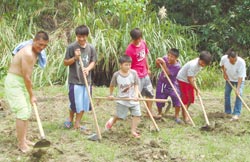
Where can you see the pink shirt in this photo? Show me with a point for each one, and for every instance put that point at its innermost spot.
(139, 59)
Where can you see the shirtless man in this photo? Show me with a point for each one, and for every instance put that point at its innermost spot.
(18, 86)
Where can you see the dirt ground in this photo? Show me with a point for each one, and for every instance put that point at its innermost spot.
(73, 145)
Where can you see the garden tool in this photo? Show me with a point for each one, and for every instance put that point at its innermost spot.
(238, 95)
(170, 82)
(149, 113)
(91, 102)
(43, 142)
(133, 99)
(207, 127)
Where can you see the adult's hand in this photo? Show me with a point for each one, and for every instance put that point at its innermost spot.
(33, 100)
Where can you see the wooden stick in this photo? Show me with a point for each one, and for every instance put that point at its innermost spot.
(170, 82)
(39, 121)
(203, 109)
(132, 99)
(238, 95)
(149, 113)
(91, 102)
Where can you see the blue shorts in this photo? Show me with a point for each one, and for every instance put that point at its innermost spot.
(79, 99)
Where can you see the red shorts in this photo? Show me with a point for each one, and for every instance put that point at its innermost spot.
(187, 92)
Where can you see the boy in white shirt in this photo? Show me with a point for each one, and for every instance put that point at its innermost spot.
(186, 80)
(234, 71)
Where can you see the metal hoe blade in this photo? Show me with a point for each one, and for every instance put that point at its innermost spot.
(93, 137)
(42, 143)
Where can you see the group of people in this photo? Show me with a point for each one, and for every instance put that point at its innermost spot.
(132, 80)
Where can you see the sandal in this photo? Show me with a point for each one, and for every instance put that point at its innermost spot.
(108, 125)
(178, 121)
(67, 124)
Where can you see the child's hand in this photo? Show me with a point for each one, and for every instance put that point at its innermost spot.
(149, 72)
(158, 62)
(197, 92)
(86, 71)
(136, 98)
(111, 97)
(77, 53)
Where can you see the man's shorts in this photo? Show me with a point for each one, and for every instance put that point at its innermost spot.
(163, 91)
(145, 87)
(187, 92)
(122, 111)
(17, 96)
(79, 99)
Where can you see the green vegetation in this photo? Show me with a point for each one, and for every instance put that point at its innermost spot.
(190, 26)
(219, 25)
(110, 23)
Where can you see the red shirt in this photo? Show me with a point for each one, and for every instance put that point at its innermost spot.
(139, 59)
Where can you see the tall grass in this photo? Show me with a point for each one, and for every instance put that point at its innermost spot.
(210, 77)
(109, 23)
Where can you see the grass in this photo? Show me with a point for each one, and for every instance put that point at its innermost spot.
(227, 142)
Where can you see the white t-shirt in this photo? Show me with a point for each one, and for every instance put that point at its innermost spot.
(234, 71)
(191, 68)
(126, 86)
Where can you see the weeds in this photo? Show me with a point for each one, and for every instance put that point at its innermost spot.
(109, 26)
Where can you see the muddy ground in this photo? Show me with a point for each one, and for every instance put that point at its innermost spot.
(116, 145)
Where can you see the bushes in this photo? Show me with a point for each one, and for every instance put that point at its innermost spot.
(110, 23)
(219, 25)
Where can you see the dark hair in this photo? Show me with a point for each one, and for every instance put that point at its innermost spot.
(41, 35)
(82, 30)
(125, 58)
(231, 53)
(174, 52)
(135, 33)
(206, 57)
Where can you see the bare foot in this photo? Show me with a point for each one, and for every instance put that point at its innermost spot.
(135, 135)
(76, 125)
(29, 143)
(188, 122)
(159, 114)
(24, 148)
